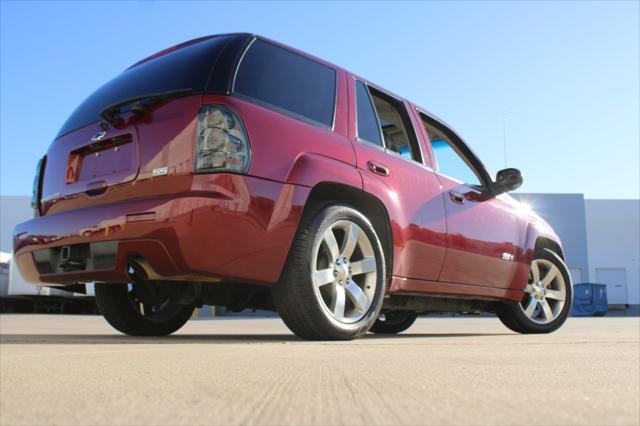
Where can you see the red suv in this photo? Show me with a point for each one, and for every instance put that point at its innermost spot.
(234, 171)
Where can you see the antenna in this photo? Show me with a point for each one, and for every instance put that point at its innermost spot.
(504, 139)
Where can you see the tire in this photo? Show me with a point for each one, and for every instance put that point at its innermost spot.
(515, 316)
(327, 306)
(394, 322)
(123, 312)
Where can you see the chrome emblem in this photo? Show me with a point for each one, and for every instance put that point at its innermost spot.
(507, 256)
(99, 136)
(160, 171)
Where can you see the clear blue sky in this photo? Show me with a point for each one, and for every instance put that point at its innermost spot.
(564, 77)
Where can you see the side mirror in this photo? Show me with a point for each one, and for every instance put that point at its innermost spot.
(507, 180)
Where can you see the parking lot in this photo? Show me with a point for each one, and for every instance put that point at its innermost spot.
(76, 370)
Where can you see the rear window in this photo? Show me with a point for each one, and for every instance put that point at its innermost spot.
(286, 81)
(185, 68)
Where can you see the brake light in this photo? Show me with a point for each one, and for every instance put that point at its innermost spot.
(221, 141)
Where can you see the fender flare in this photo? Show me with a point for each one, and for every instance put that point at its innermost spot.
(534, 232)
(310, 169)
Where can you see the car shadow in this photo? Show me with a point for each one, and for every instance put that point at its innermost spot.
(102, 339)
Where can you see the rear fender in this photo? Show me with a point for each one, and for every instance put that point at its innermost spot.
(311, 169)
(396, 213)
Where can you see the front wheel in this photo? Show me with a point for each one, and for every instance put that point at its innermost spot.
(547, 300)
(141, 309)
(334, 282)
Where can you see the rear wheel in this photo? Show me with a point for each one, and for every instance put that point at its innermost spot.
(141, 309)
(547, 300)
(333, 284)
(394, 322)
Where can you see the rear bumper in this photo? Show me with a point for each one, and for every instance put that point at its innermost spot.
(226, 227)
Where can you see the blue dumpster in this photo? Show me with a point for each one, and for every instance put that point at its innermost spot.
(589, 300)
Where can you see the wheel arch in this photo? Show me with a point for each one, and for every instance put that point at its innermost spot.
(541, 235)
(325, 193)
(536, 237)
(548, 243)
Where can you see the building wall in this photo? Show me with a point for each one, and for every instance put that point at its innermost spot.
(565, 213)
(13, 210)
(613, 236)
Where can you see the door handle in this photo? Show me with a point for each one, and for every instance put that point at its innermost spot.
(377, 168)
(456, 197)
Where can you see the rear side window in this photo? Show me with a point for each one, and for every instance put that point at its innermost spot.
(287, 81)
(397, 129)
(383, 120)
(367, 121)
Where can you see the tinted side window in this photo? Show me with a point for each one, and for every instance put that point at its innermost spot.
(368, 128)
(287, 81)
(450, 162)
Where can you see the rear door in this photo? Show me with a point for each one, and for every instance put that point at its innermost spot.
(390, 159)
(483, 231)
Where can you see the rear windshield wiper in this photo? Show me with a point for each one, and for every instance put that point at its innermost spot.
(138, 104)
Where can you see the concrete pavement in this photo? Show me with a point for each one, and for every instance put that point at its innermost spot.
(77, 370)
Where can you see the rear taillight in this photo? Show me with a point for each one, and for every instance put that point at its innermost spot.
(221, 141)
(37, 185)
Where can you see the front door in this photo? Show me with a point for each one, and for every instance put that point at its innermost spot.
(483, 232)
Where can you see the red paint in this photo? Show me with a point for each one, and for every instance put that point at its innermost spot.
(478, 233)
(222, 224)
(240, 227)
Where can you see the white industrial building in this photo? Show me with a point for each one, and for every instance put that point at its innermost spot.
(601, 239)
(614, 250)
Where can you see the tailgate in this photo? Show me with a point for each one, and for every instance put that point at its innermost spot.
(90, 160)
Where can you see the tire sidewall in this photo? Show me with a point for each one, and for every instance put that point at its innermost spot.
(116, 307)
(383, 327)
(534, 327)
(326, 218)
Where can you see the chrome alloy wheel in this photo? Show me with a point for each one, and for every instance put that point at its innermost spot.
(546, 292)
(344, 272)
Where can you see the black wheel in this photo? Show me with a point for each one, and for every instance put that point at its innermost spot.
(334, 281)
(393, 322)
(141, 309)
(547, 300)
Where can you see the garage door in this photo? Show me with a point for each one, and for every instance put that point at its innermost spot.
(616, 281)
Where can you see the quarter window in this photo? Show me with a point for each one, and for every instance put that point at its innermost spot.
(287, 81)
(450, 162)
(368, 128)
